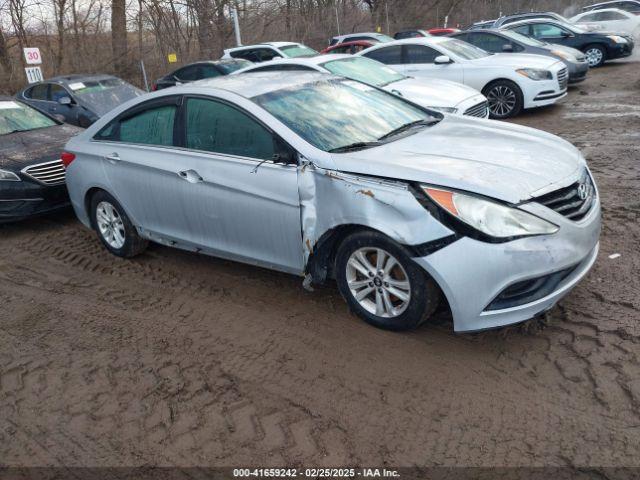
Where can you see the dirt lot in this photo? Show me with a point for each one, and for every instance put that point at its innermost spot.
(177, 359)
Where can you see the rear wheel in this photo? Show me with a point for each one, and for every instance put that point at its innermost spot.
(505, 99)
(114, 229)
(596, 55)
(381, 283)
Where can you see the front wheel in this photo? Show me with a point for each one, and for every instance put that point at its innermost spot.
(505, 99)
(381, 284)
(596, 55)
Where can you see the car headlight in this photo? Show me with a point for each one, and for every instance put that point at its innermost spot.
(444, 109)
(617, 38)
(535, 73)
(8, 176)
(565, 55)
(491, 218)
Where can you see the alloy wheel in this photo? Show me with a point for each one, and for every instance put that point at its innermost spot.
(110, 225)
(378, 282)
(594, 56)
(502, 100)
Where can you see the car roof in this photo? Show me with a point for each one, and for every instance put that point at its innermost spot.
(65, 79)
(371, 34)
(619, 10)
(252, 84)
(529, 21)
(609, 2)
(264, 44)
(433, 40)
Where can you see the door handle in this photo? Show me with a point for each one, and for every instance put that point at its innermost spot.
(190, 176)
(113, 158)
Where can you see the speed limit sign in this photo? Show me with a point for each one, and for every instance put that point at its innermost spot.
(32, 56)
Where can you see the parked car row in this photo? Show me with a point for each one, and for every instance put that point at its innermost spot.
(375, 166)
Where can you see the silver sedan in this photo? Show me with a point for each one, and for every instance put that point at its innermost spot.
(326, 177)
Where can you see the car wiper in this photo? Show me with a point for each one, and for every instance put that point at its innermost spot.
(408, 126)
(354, 146)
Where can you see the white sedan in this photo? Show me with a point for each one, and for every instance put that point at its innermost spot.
(510, 82)
(441, 95)
(612, 19)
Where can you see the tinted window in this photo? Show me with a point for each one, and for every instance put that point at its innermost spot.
(39, 92)
(607, 16)
(229, 66)
(217, 127)
(491, 43)
(419, 54)
(524, 30)
(256, 54)
(411, 34)
(208, 71)
(151, 127)
(189, 73)
(388, 55)
(57, 92)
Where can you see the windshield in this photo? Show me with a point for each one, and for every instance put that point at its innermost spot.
(293, 51)
(364, 70)
(18, 117)
(464, 50)
(105, 94)
(231, 66)
(330, 114)
(532, 42)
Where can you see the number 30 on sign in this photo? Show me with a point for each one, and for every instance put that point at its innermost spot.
(34, 74)
(32, 56)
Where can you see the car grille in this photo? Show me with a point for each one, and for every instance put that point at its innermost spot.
(574, 201)
(563, 79)
(49, 173)
(479, 110)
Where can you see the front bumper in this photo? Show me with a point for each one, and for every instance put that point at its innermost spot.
(472, 273)
(578, 72)
(20, 200)
(620, 50)
(543, 92)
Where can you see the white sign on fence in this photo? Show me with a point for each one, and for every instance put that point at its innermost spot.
(34, 74)
(32, 56)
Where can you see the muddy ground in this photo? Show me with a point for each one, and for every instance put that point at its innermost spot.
(178, 359)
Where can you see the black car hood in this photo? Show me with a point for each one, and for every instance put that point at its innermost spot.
(19, 149)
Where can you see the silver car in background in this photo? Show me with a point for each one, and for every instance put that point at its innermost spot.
(326, 177)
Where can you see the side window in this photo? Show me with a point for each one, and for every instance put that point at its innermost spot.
(267, 54)
(419, 54)
(56, 92)
(282, 68)
(39, 92)
(248, 54)
(188, 74)
(591, 17)
(357, 48)
(217, 127)
(541, 30)
(387, 55)
(346, 49)
(208, 71)
(524, 30)
(150, 127)
(613, 16)
(488, 42)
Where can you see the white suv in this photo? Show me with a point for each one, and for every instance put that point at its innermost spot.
(268, 51)
(510, 81)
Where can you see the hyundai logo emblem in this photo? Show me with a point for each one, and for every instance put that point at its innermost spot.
(583, 191)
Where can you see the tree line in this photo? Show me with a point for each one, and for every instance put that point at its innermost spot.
(113, 36)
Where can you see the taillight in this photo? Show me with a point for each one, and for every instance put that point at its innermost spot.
(67, 158)
(154, 87)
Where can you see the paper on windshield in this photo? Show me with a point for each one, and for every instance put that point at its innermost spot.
(76, 86)
(8, 105)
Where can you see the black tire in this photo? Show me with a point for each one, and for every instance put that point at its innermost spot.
(424, 293)
(505, 99)
(133, 243)
(599, 55)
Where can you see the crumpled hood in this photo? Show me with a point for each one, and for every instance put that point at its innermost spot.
(20, 149)
(504, 161)
(516, 60)
(432, 92)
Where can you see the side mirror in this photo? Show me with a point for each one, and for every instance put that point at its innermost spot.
(566, 35)
(442, 60)
(507, 47)
(65, 100)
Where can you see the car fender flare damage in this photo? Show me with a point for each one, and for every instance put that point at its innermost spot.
(333, 204)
